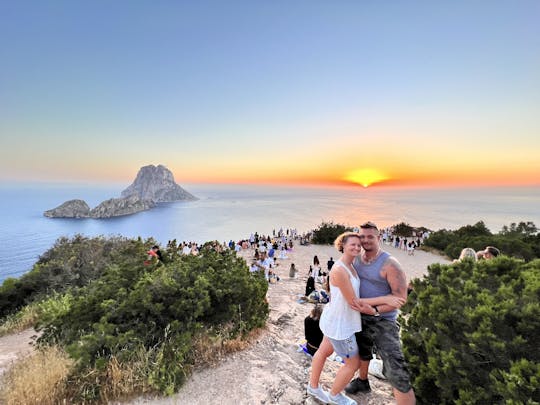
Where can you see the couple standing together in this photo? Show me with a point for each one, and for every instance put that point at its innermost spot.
(369, 281)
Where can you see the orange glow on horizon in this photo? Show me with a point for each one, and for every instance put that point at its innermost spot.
(318, 172)
(431, 180)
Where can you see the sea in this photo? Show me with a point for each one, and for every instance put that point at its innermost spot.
(225, 212)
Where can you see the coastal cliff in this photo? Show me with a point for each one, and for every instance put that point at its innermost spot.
(153, 184)
(116, 207)
(70, 209)
(157, 183)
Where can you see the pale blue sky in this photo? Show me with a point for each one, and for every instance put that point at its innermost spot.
(94, 90)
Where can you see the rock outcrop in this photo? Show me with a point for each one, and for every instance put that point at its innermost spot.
(153, 184)
(116, 207)
(156, 183)
(70, 209)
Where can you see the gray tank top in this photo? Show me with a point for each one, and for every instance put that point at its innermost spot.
(371, 282)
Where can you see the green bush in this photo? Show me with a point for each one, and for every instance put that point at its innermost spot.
(327, 232)
(70, 263)
(157, 308)
(521, 241)
(470, 333)
(403, 229)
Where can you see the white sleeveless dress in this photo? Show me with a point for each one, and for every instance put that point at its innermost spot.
(338, 320)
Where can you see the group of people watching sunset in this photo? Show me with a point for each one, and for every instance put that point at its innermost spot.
(367, 286)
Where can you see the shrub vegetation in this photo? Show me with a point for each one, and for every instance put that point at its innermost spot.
(327, 232)
(470, 333)
(403, 229)
(518, 240)
(70, 263)
(139, 324)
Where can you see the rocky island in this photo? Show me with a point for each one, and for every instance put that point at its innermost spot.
(153, 185)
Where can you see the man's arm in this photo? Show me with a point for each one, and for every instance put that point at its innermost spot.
(397, 280)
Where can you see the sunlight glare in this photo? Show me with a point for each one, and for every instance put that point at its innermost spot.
(366, 177)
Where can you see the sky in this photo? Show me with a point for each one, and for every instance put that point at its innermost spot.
(308, 92)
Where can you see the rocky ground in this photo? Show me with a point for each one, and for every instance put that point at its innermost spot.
(272, 371)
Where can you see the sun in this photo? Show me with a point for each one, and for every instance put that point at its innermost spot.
(366, 177)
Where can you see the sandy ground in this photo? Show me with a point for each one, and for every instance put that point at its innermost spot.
(12, 347)
(272, 371)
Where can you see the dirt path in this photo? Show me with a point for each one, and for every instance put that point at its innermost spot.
(15, 346)
(272, 371)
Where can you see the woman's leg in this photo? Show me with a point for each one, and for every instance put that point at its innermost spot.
(317, 364)
(345, 374)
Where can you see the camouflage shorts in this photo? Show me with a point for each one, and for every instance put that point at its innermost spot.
(383, 336)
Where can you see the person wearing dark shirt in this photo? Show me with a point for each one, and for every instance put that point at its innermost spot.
(310, 284)
(330, 263)
(312, 331)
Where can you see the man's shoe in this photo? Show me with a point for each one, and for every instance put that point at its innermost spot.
(318, 393)
(357, 385)
(340, 399)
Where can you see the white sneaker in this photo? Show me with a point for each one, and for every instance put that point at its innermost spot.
(318, 393)
(340, 399)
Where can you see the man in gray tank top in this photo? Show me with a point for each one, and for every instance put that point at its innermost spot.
(381, 274)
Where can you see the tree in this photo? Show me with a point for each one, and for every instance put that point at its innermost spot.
(403, 229)
(327, 232)
(523, 228)
(520, 241)
(470, 333)
(70, 263)
(157, 309)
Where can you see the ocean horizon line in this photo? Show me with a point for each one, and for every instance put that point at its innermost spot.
(316, 185)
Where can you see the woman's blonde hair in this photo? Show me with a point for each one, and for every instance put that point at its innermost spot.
(468, 253)
(342, 239)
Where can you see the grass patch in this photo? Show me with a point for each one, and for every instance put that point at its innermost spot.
(19, 321)
(209, 351)
(37, 379)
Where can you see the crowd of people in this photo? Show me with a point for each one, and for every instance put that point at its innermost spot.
(362, 291)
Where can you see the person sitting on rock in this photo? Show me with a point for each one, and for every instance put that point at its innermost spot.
(292, 271)
(310, 284)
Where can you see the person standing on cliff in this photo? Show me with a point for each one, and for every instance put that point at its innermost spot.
(329, 264)
(380, 275)
(155, 252)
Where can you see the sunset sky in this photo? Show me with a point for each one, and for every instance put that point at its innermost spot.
(403, 92)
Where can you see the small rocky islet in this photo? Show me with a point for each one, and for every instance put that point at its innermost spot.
(153, 185)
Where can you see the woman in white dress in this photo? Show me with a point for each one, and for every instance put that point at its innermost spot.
(339, 322)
